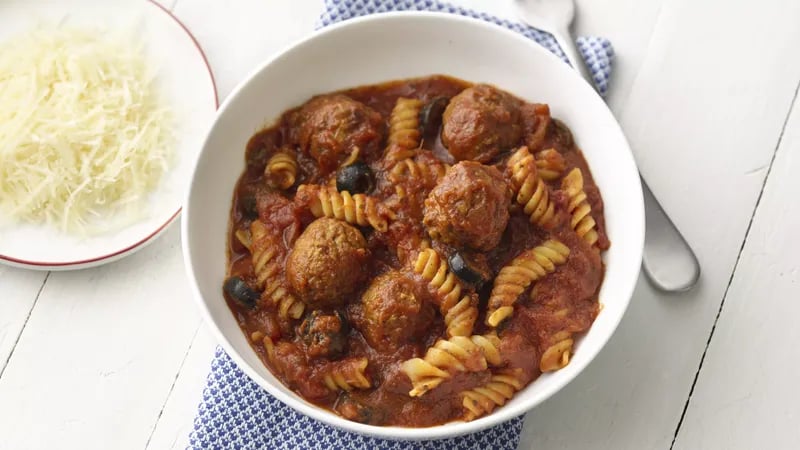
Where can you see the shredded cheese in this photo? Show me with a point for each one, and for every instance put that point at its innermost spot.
(83, 135)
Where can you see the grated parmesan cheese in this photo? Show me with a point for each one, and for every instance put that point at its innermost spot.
(83, 136)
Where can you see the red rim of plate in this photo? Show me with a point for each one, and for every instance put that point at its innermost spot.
(161, 228)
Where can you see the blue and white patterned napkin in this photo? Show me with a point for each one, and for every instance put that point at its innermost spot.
(236, 413)
(597, 52)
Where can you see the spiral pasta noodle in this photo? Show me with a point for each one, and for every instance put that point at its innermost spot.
(484, 399)
(530, 190)
(347, 375)
(550, 164)
(582, 221)
(430, 173)
(404, 124)
(515, 277)
(244, 238)
(265, 248)
(357, 209)
(457, 354)
(556, 356)
(408, 253)
(281, 170)
(459, 311)
(352, 158)
(269, 347)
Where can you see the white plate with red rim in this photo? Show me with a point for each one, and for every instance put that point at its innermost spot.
(187, 84)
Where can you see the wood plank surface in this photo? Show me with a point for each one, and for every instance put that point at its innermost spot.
(100, 354)
(18, 291)
(703, 117)
(747, 394)
(177, 419)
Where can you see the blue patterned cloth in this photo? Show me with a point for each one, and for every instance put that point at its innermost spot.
(236, 413)
(597, 52)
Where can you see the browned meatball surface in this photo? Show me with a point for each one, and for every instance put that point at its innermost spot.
(469, 206)
(329, 127)
(394, 311)
(480, 122)
(325, 263)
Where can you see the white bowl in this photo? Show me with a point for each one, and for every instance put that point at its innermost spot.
(388, 47)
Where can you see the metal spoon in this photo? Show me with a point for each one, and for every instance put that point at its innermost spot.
(668, 260)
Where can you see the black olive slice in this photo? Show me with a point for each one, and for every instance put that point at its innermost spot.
(464, 270)
(241, 292)
(247, 206)
(430, 117)
(564, 133)
(355, 178)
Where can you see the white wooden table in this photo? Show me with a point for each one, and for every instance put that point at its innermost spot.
(115, 357)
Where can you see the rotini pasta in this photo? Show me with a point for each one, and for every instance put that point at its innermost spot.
(358, 209)
(244, 238)
(383, 224)
(460, 311)
(395, 154)
(556, 356)
(530, 190)
(347, 375)
(410, 168)
(269, 347)
(484, 399)
(409, 249)
(352, 158)
(281, 170)
(582, 221)
(457, 354)
(550, 164)
(404, 124)
(400, 191)
(265, 248)
(515, 277)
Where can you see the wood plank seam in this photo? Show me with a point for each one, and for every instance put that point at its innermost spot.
(24, 324)
(170, 5)
(736, 265)
(172, 386)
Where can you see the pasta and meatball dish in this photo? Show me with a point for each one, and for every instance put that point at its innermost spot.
(415, 252)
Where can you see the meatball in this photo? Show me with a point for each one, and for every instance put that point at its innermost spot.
(394, 311)
(325, 264)
(480, 122)
(468, 207)
(329, 127)
(325, 335)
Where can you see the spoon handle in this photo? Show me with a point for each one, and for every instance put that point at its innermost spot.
(564, 40)
(668, 260)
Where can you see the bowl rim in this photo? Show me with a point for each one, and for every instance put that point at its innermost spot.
(450, 429)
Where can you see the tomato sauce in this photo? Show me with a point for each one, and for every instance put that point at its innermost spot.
(563, 303)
